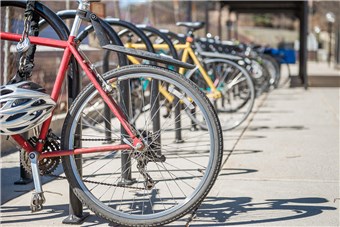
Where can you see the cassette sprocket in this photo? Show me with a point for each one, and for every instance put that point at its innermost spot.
(46, 165)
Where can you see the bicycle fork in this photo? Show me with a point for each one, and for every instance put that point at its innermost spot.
(38, 198)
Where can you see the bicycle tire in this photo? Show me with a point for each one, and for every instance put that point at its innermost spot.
(237, 89)
(198, 160)
(274, 69)
(261, 77)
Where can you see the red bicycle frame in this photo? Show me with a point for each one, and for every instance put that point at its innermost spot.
(69, 47)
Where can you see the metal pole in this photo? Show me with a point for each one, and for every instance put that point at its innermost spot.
(330, 43)
(125, 156)
(220, 21)
(107, 112)
(6, 48)
(189, 13)
(337, 46)
(189, 9)
(303, 44)
(229, 28)
(236, 27)
(155, 115)
(76, 214)
(68, 22)
(207, 17)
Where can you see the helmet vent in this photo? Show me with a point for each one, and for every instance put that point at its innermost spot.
(5, 91)
(17, 129)
(39, 102)
(15, 116)
(37, 114)
(19, 102)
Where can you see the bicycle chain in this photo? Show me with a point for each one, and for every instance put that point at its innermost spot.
(96, 182)
(109, 140)
(87, 181)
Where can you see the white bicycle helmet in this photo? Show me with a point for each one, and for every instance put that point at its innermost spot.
(23, 106)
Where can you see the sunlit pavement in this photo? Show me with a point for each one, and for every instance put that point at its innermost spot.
(281, 168)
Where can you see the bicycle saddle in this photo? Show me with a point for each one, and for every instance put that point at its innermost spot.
(192, 25)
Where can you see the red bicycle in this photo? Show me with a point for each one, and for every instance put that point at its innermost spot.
(136, 176)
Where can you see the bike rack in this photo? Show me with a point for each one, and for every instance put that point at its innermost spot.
(76, 216)
(130, 27)
(126, 159)
(156, 32)
(154, 84)
(181, 38)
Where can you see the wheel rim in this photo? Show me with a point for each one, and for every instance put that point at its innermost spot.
(185, 200)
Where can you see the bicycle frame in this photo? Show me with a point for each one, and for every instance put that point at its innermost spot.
(69, 47)
(187, 52)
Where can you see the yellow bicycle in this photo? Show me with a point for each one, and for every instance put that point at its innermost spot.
(228, 86)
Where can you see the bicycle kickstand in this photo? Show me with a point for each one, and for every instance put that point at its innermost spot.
(38, 198)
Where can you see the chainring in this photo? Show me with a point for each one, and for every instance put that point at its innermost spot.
(46, 165)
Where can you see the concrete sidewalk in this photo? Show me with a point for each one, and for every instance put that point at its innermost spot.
(284, 171)
(281, 168)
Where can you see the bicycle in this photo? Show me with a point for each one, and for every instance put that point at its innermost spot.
(229, 86)
(171, 179)
(261, 71)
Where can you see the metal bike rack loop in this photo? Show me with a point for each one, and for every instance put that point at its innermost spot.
(173, 52)
(112, 35)
(154, 98)
(125, 158)
(76, 214)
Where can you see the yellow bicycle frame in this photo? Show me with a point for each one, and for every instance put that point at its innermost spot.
(187, 51)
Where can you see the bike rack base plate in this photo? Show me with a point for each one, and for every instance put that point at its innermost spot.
(74, 220)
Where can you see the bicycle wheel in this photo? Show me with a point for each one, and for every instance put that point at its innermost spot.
(160, 184)
(260, 75)
(273, 68)
(237, 90)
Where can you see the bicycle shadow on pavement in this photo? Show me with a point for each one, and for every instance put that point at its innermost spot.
(223, 211)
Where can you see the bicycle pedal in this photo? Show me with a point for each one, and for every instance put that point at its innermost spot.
(37, 201)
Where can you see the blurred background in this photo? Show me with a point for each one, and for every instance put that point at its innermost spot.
(275, 24)
(229, 21)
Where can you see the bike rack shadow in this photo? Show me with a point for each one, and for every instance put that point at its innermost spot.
(60, 211)
(214, 211)
(288, 127)
(244, 137)
(272, 112)
(50, 212)
(22, 215)
(221, 211)
(242, 151)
